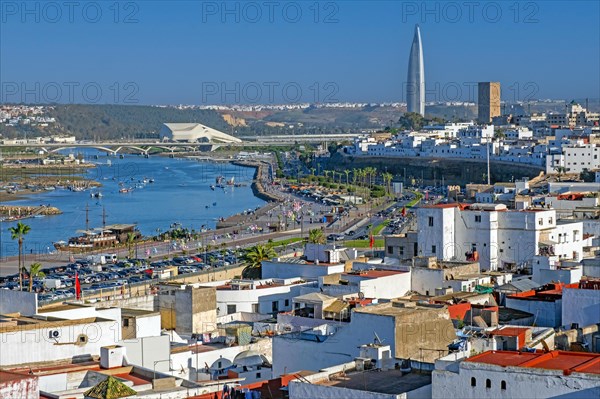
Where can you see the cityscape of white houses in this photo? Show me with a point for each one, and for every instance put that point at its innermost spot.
(560, 143)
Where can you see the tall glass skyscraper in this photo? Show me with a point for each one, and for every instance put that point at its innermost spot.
(415, 88)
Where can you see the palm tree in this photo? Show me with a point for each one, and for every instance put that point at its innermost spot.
(347, 172)
(316, 236)
(387, 178)
(254, 257)
(35, 270)
(354, 176)
(130, 240)
(17, 233)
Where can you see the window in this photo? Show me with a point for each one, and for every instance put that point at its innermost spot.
(477, 218)
(473, 382)
(503, 384)
(125, 322)
(255, 308)
(275, 306)
(400, 250)
(433, 248)
(541, 221)
(231, 309)
(287, 302)
(488, 383)
(257, 375)
(431, 221)
(550, 220)
(390, 249)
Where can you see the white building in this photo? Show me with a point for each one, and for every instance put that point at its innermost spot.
(368, 283)
(574, 159)
(545, 304)
(581, 304)
(35, 340)
(357, 379)
(520, 133)
(447, 130)
(406, 327)
(193, 133)
(259, 296)
(502, 238)
(519, 375)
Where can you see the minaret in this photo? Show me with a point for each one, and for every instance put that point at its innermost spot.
(415, 90)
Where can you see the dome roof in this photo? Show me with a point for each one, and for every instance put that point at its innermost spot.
(249, 358)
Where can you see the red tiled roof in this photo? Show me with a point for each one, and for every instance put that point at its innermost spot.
(549, 291)
(503, 358)
(568, 362)
(458, 311)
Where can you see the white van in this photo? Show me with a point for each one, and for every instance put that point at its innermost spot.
(102, 259)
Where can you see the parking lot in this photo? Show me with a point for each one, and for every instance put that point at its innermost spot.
(58, 283)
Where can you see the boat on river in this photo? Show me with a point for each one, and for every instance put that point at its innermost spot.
(97, 238)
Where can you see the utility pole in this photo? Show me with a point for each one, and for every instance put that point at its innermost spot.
(488, 161)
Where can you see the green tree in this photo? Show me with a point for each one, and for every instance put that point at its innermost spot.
(253, 259)
(387, 179)
(347, 173)
(35, 270)
(411, 121)
(316, 236)
(18, 233)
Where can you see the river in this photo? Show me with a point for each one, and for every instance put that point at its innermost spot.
(180, 193)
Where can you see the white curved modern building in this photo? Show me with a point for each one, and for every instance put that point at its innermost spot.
(193, 133)
(415, 88)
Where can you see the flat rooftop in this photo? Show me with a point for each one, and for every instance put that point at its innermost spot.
(456, 295)
(303, 262)
(567, 362)
(10, 324)
(64, 306)
(375, 273)
(197, 348)
(390, 382)
(388, 309)
(129, 312)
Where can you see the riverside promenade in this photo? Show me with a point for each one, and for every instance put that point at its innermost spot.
(237, 231)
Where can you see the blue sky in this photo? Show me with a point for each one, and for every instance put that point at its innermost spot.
(192, 52)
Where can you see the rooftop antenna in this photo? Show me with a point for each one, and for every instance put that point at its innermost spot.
(377, 340)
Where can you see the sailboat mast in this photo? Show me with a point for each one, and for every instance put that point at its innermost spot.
(87, 217)
(103, 219)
